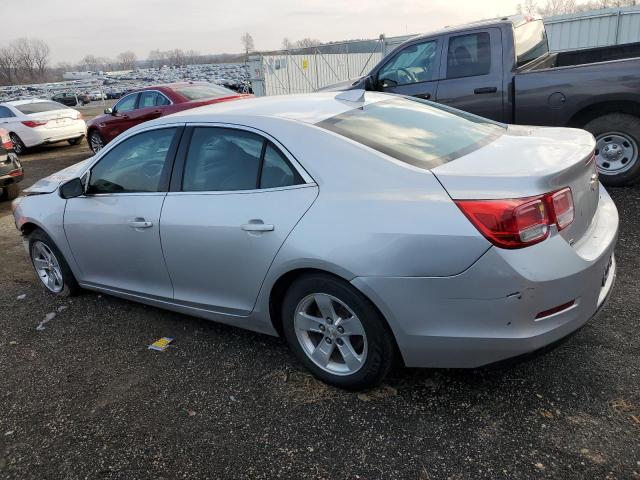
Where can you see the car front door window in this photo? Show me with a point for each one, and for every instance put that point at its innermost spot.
(135, 165)
(413, 64)
(127, 104)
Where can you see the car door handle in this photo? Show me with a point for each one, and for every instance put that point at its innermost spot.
(140, 223)
(479, 91)
(257, 227)
(424, 96)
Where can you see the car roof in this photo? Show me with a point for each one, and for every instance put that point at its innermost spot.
(306, 108)
(30, 100)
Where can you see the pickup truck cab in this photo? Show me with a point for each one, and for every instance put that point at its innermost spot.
(502, 69)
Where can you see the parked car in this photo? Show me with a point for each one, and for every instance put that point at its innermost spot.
(11, 172)
(502, 69)
(153, 102)
(37, 122)
(71, 99)
(355, 226)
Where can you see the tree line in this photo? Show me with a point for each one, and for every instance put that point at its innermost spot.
(560, 7)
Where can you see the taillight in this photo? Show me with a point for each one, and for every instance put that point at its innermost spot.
(519, 222)
(563, 208)
(5, 140)
(34, 123)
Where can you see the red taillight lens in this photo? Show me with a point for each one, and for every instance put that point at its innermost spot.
(519, 222)
(563, 208)
(34, 123)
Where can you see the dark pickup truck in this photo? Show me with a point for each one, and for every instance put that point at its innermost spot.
(502, 69)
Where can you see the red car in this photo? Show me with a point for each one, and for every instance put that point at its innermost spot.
(153, 102)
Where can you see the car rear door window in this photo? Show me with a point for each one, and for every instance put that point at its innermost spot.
(148, 99)
(5, 112)
(469, 55)
(413, 64)
(277, 171)
(138, 164)
(127, 104)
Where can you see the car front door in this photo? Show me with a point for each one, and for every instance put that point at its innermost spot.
(237, 198)
(413, 70)
(114, 229)
(472, 73)
(121, 118)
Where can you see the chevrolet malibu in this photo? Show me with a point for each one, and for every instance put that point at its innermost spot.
(361, 227)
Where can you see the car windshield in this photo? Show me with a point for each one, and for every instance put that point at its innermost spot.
(38, 107)
(415, 132)
(530, 41)
(199, 92)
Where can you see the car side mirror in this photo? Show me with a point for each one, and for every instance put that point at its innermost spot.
(73, 188)
(369, 83)
(109, 111)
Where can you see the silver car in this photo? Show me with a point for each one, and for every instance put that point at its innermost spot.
(360, 227)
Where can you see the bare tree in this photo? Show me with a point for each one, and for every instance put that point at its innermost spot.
(307, 42)
(7, 66)
(41, 54)
(24, 59)
(247, 44)
(176, 57)
(191, 57)
(287, 44)
(127, 60)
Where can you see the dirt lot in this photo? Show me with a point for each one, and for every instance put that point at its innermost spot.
(84, 398)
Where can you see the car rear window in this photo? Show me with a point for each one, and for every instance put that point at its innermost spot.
(419, 133)
(200, 92)
(38, 107)
(530, 41)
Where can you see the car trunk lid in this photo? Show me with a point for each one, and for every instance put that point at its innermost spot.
(526, 162)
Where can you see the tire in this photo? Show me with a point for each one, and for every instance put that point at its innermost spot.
(10, 192)
(18, 146)
(96, 143)
(65, 284)
(372, 354)
(75, 141)
(617, 147)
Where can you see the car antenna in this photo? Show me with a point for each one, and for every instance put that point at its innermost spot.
(351, 95)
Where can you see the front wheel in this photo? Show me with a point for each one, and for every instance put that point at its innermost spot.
(617, 140)
(50, 265)
(336, 332)
(96, 143)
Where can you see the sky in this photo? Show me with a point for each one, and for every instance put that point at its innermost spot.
(75, 28)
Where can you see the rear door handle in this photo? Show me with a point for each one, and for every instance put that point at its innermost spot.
(257, 227)
(140, 223)
(425, 96)
(482, 90)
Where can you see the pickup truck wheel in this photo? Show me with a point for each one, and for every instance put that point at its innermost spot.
(617, 140)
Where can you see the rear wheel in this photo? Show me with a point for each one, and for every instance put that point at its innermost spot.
(18, 146)
(10, 192)
(75, 141)
(96, 143)
(50, 265)
(336, 332)
(617, 141)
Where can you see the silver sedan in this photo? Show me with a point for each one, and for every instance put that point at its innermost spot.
(361, 227)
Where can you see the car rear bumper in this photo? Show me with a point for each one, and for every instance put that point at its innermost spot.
(488, 313)
(42, 135)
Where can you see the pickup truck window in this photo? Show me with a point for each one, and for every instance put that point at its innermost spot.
(530, 42)
(469, 55)
(421, 134)
(413, 64)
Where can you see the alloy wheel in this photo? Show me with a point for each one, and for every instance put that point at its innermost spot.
(330, 334)
(616, 152)
(47, 266)
(96, 142)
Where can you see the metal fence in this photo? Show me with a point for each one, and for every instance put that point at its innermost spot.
(307, 69)
(595, 28)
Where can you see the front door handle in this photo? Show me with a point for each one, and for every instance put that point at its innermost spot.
(257, 226)
(140, 223)
(479, 91)
(424, 96)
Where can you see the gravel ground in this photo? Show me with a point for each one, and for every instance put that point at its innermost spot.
(84, 398)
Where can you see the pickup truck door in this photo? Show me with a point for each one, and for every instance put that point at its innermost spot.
(472, 77)
(413, 70)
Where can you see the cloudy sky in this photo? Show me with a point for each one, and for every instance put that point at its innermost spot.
(74, 28)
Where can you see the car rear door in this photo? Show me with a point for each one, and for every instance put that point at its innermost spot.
(472, 77)
(151, 105)
(413, 70)
(114, 229)
(234, 198)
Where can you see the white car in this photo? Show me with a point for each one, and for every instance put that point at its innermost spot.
(37, 122)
